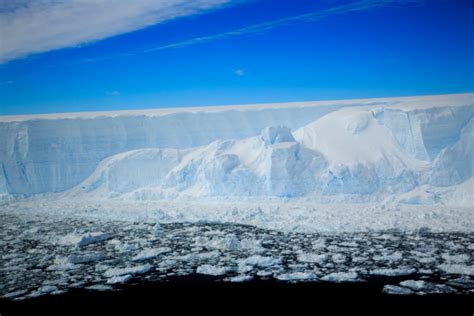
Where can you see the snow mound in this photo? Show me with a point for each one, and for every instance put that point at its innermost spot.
(131, 170)
(455, 195)
(362, 154)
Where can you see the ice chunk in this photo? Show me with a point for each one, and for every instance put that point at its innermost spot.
(313, 258)
(241, 278)
(85, 239)
(92, 238)
(414, 284)
(341, 277)
(457, 268)
(15, 294)
(396, 256)
(396, 290)
(259, 261)
(296, 276)
(119, 279)
(136, 270)
(99, 287)
(62, 264)
(339, 258)
(427, 287)
(150, 253)
(123, 247)
(458, 258)
(212, 270)
(393, 272)
(85, 258)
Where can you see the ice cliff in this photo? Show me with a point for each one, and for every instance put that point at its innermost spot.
(361, 148)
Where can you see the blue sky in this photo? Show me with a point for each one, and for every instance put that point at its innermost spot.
(149, 54)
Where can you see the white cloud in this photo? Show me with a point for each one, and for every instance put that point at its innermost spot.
(34, 26)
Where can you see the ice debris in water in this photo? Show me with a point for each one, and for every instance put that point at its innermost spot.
(150, 253)
(136, 270)
(212, 270)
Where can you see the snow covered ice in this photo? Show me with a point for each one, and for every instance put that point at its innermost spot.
(332, 191)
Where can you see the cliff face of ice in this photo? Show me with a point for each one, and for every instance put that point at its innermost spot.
(358, 148)
(271, 164)
(454, 163)
(54, 153)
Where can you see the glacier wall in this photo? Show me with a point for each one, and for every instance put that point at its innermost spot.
(43, 154)
(396, 144)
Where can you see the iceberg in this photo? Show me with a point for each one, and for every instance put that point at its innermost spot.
(415, 150)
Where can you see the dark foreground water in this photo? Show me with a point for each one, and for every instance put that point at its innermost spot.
(48, 263)
(197, 293)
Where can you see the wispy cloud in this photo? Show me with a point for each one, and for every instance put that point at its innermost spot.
(28, 27)
(8, 82)
(113, 93)
(239, 72)
(362, 5)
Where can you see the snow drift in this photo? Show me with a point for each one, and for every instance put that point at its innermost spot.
(339, 150)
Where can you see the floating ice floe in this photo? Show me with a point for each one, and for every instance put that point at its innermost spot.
(393, 272)
(84, 239)
(458, 258)
(212, 270)
(85, 258)
(259, 261)
(123, 247)
(150, 253)
(396, 290)
(119, 279)
(423, 287)
(395, 256)
(339, 258)
(92, 238)
(313, 258)
(240, 278)
(43, 290)
(296, 276)
(457, 268)
(136, 270)
(341, 277)
(230, 243)
(99, 287)
(62, 264)
(15, 294)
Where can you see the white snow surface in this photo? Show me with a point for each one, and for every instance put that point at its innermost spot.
(393, 163)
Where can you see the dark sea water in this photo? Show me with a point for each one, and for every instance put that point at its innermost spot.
(50, 265)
